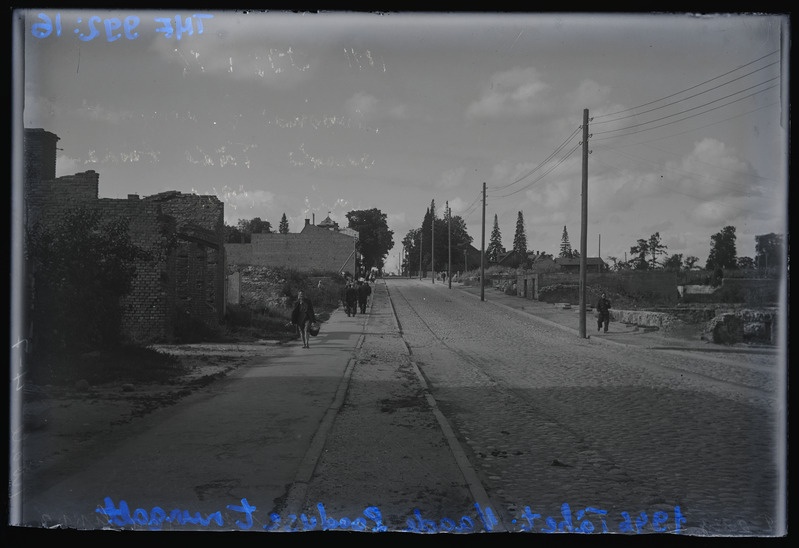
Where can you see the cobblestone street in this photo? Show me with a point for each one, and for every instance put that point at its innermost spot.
(551, 419)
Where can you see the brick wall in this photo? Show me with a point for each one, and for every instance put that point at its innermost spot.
(184, 236)
(312, 249)
(201, 257)
(39, 151)
(49, 199)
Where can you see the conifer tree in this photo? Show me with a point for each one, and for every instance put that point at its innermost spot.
(283, 228)
(495, 243)
(565, 246)
(520, 238)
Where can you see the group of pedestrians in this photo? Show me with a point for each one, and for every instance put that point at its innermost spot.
(355, 296)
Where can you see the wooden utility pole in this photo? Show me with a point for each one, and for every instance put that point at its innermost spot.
(449, 245)
(420, 254)
(433, 243)
(584, 225)
(483, 250)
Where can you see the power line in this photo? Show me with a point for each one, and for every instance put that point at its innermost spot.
(550, 170)
(636, 114)
(690, 88)
(675, 121)
(543, 162)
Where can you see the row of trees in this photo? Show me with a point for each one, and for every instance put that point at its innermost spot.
(428, 247)
(242, 232)
(651, 254)
(647, 254)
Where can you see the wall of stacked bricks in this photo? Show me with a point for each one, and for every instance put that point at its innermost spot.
(200, 279)
(316, 249)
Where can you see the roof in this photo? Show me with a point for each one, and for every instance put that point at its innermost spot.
(562, 261)
(328, 222)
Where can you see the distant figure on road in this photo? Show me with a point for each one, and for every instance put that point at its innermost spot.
(302, 316)
(350, 299)
(364, 290)
(603, 312)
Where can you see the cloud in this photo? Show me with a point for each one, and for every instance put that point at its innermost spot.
(67, 166)
(589, 94)
(361, 104)
(714, 214)
(247, 58)
(367, 107)
(239, 199)
(515, 92)
(450, 179)
(712, 170)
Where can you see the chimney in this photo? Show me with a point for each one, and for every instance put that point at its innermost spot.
(313, 216)
(307, 222)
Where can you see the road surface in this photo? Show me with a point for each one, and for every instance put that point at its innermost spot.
(438, 412)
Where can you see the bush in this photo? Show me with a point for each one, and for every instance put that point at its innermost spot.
(82, 265)
(243, 323)
(270, 322)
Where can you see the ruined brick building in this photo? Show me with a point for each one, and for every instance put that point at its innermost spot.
(185, 280)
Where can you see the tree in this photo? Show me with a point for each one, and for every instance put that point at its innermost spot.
(375, 239)
(233, 235)
(81, 267)
(618, 264)
(461, 241)
(745, 263)
(565, 246)
(411, 243)
(655, 249)
(722, 250)
(673, 263)
(283, 228)
(255, 226)
(640, 250)
(520, 239)
(494, 243)
(243, 231)
(690, 262)
(426, 241)
(768, 250)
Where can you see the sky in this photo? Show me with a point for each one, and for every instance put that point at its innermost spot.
(317, 114)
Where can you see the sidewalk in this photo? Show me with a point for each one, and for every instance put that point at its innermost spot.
(618, 333)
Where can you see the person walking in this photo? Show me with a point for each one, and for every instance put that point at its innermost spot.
(351, 299)
(603, 312)
(302, 316)
(364, 290)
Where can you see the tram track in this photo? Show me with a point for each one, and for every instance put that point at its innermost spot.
(584, 438)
